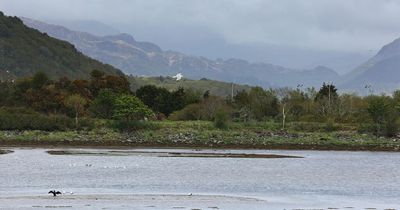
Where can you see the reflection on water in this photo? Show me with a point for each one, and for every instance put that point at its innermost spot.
(322, 179)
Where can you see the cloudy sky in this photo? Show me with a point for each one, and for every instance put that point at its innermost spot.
(294, 33)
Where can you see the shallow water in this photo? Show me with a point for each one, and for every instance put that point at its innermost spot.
(136, 180)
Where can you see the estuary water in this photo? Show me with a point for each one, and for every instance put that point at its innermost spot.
(198, 179)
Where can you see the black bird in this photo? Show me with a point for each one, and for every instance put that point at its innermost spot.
(55, 193)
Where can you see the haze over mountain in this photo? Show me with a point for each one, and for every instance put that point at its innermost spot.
(215, 47)
(145, 58)
(381, 73)
(296, 34)
(89, 26)
(24, 51)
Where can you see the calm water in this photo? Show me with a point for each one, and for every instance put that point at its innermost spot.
(322, 179)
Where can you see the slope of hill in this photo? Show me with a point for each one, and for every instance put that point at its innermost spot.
(215, 87)
(144, 58)
(24, 51)
(381, 73)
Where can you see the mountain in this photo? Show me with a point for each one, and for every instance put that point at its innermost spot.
(381, 73)
(89, 26)
(145, 58)
(24, 51)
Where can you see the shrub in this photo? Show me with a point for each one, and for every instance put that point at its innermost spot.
(221, 119)
(131, 108)
(190, 112)
(26, 119)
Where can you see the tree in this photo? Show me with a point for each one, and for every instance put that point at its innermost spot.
(204, 110)
(256, 104)
(328, 91)
(119, 84)
(263, 103)
(178, 99)
(48, 99)
(103, 105)
(82, 88)
(99, 80)
(157, 98)
(39, 80)
(76, 103)
(221, 119)
(206, 94)
(326, 98)
(130, 108)
(383, 113)
(96, 74)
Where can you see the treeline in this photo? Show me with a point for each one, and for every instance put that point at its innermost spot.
(101, 97)
(74, 104)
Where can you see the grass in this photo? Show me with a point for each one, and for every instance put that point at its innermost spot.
(204, 134)
(215, 87)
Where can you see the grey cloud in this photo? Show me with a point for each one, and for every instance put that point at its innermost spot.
(349, 26)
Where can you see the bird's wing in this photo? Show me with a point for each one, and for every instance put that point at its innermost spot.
(58, 192)
(50, 191)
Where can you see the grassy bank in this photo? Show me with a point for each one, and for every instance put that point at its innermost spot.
(205, 135)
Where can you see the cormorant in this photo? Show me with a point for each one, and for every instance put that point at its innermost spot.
(55, 193)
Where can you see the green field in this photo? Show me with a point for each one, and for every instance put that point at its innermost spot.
(215, 87)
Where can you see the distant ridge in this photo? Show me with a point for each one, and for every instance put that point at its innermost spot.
(148, 59)
(381, 73)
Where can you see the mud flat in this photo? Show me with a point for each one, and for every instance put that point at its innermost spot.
(168, 154)
(130, 201)
(3, 152)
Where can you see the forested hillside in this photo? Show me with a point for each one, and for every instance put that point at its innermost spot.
(24, 51)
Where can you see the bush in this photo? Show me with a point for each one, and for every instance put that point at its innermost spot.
(389, 129)
(221, 119)
(26, 119)
(190, 112)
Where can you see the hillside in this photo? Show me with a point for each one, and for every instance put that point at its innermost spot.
(215, 87)
(24, 51)
(148, 59)
(381, 73)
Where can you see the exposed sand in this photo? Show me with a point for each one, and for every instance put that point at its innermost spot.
(129, 201)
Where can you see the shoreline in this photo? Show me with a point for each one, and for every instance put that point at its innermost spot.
(121, 146)
(201, 135)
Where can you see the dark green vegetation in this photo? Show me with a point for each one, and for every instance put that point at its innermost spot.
(24, 51)
(38, 103)
(102, 111)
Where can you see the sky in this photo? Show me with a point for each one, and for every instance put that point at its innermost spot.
(293, 33)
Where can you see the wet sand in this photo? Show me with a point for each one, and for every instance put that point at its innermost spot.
(158, 202)
(130, 201)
